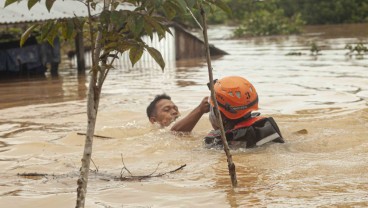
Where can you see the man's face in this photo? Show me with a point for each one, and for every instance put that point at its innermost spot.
(166, 113)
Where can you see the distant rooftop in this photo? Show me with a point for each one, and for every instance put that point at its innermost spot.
(18, 12)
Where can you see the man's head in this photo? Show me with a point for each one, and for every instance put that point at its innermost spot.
(162, 110)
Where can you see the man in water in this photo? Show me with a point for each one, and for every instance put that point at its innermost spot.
(162, 110)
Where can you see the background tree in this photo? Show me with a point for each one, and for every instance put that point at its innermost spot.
(266, 18)
(311, 11)
(274, 17)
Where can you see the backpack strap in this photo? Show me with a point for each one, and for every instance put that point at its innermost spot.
(248, 122)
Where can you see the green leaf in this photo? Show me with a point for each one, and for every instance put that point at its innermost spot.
(148, 4)
(124, 47)
(93, 5)
(158, 3)
(115, 5)
(115, 17)
(78, 24)
(135, 54)
(53, 33)
(155, 25)
(67, 29)
(148, 29)
(135, 23)
(70, 28)
(31, 3)
(45, 29)
(157, 56)
(26, 34)
(8, 2)
(190, 3)
(169, 11)
(64, 27)
(182, 4)
(49, 4)
(177, 7)
(109, 66)
(105, 16)
(222, 5)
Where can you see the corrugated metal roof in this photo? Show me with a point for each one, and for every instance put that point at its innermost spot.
(18, 12)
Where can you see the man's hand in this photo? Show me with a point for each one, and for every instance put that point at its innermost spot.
(204, 106)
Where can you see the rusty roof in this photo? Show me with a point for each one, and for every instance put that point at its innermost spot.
(18, 12)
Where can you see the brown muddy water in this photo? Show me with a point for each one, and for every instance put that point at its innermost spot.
(319, 102)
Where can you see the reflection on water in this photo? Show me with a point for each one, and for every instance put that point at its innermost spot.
(42, 89)
(320, 104)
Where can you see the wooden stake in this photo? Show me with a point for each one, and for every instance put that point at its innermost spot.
(230, 163)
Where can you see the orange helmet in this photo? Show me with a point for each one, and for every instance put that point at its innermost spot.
(236, 96)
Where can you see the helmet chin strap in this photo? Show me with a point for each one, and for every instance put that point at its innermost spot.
(234, 110)
(214, 121)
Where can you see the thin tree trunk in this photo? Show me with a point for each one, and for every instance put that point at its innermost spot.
(94, 91)
(92, 107)
(230, 163)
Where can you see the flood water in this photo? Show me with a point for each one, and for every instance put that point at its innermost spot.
(319, 102)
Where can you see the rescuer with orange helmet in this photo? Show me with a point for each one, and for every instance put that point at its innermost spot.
(237, 98)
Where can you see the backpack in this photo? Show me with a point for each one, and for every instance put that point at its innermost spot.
(252, 132)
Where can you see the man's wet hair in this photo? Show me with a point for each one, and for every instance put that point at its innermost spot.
(152, 106)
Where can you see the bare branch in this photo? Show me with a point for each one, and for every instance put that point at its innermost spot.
(124, 167)
(155, 169)
(94, 165)
(139, 178)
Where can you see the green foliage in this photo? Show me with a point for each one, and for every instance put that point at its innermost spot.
(218, 16)
(10, 34)
(330, 12)
(315, 49)
(26, 34)
(268, 19)
(241, 7)
(8, 2)
(135, 53)
(49, 4)
(311, 11)
(31, 3)
(325, 11)
(156, 55)
(358, 49)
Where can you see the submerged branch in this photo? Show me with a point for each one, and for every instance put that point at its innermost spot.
(32, 174)
(124, 167)
(99, 175)
(99, 136)
(94, 165)
(132, 177)
(142, 177)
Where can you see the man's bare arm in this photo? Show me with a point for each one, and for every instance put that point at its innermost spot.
(188, 122)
